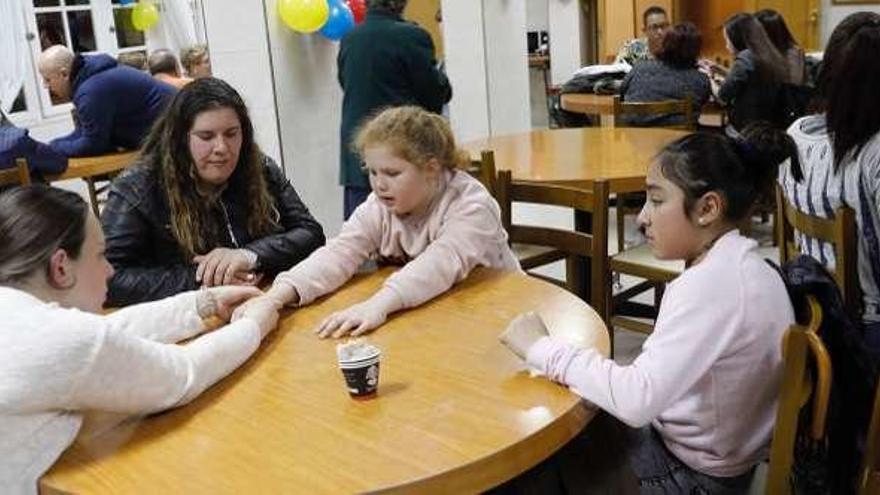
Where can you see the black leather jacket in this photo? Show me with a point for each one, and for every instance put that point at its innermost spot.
(147, 259)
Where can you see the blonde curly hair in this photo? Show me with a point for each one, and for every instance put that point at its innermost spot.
(414, 134)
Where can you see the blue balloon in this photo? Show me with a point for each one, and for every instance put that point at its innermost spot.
(126, 2)
(341, 21)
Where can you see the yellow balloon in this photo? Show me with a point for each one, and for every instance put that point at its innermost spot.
(305, 16)
(144, 15)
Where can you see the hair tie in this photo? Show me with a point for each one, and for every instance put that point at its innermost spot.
(746, 150)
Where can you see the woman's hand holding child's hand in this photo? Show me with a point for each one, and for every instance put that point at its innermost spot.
(263, 310)
(221, 301)
(523, 332)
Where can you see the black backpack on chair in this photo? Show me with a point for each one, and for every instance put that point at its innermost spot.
(832, 468)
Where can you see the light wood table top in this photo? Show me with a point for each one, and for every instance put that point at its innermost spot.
(90, 166)
(455, 410)
(576, 157)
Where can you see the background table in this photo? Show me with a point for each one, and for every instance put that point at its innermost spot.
(576, 157)
(454, 413)
(96, 168)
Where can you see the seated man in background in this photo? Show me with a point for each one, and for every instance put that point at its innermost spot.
(164, 67)
(115, 105)
(655, 22)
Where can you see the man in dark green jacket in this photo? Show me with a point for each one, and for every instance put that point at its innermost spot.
(385, 61)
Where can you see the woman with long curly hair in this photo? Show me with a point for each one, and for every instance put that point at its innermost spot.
(202, 205)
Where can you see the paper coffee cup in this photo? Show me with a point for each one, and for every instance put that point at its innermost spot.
(359, 363)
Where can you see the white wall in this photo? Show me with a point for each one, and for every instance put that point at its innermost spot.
(537, 16)
(485, 46)
(566, 27)
(833, 14)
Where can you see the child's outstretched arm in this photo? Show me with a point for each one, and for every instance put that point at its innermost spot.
(326, 269)
(469, 232)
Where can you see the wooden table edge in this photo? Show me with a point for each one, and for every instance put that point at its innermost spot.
(494, 469)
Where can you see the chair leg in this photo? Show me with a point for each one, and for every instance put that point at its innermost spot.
(621, 217)
(93, 195)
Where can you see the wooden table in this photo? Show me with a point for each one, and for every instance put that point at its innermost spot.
(712, 114)
(455, 412)
(576, 157)
(89, 168)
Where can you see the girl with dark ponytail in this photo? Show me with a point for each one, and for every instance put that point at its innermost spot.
(701, 397)
(840, 155)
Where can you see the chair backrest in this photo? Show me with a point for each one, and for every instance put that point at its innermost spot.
(839, 231)
(869, 478)
(19, 175)
(593, 245)
(800, 387)
(483, 170)
(657, 108)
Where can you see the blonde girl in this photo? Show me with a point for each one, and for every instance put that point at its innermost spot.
(424, 213)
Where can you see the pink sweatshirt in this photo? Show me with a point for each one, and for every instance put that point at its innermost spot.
(459, 231)
(708, 376)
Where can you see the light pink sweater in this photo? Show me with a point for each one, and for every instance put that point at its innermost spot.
(459, 231)
(708, 376)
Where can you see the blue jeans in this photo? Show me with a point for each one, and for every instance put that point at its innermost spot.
(353, 197)
(659, 472)
(610, 458)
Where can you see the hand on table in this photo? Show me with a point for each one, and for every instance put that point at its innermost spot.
(523, 332)
(224, 266)
(355, 320)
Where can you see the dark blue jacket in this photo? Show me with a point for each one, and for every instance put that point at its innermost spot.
(115, 106)
(41, 159)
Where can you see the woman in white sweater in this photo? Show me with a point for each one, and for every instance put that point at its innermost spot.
(701, 397)
(59, 356)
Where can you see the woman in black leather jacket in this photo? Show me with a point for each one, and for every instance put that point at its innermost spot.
(202, 205)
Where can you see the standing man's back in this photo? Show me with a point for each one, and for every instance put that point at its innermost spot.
(115, 105)
(383, 62)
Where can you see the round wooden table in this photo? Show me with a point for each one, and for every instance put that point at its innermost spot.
(455, 412)
(576, 157)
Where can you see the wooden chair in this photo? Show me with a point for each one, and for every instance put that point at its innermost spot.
(484, 170)
(800, 388)
(19, 175)
(529, 256)
(645, 109)
(839, 231)
(578, 247)
(869, 477)
(657, 108)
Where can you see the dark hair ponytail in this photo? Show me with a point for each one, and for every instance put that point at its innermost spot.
(740, 169)
(36, 221)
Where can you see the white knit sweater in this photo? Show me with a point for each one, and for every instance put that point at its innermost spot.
(56, 362)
